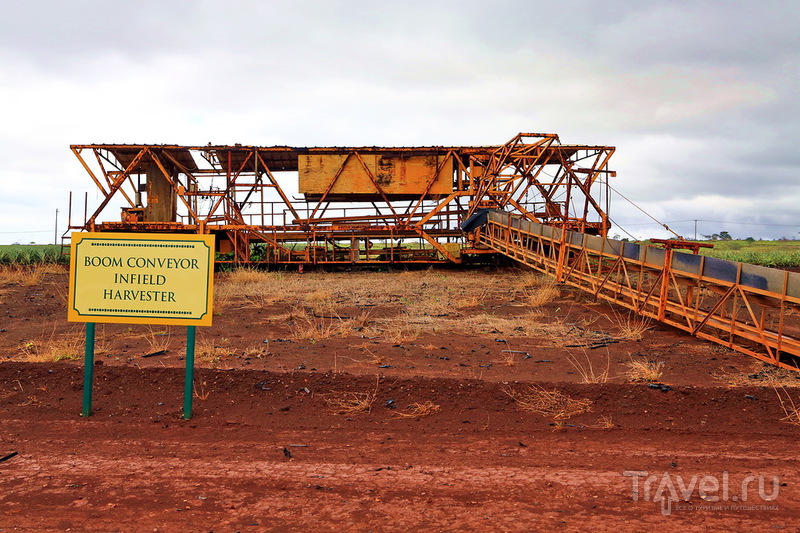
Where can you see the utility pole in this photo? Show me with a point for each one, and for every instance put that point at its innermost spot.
(695, 229)
(55, 231)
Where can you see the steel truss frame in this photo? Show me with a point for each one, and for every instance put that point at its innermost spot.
(237, 193)
(517, 178)
(657, 283)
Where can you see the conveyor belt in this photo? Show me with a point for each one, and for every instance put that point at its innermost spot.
(748, 308)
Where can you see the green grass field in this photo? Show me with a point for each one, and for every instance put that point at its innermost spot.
(31, 254)
(780, 254)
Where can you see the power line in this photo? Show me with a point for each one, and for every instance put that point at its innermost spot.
(663, 224)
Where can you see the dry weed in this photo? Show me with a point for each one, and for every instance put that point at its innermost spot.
(644, 370)
(790, 409)
(401, 331)
(257, 350)
(418, 410)
(632, 327)
(373, 358)
(53, 268)
(224, 297)
(541, 295)
(319, 295)
(428, 347)
(22, 275)
(349, 402)
(345, 403)
(586, 369)
(249, 288)
(509, 357)
(304, 325)
(58, 348)
(538, 289)
(245, 276)
(762, 374)
(515, 326)
(551, 404)
(604, 422)
(471, 299)
(207, 352)
(202, 393)
(158, 340)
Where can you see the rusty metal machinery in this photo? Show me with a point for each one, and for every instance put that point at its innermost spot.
(748, 308)
(533, 199)
(356, 205)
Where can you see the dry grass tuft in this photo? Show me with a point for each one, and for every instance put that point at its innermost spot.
(418, 410)
(306, 326)
(58, 348)
(587, 371)
(207, 352)
(644, 370)
(23, 275)
(551, 404)
(545, 293)
(158, 340)
(200, 392)
(790, 409)
(604, 422)
(249, 288)
(349, 402)
(345, 403)
(400, 330)
(474, 299)
(242, 276)
(222, 301)
(632, 327)
(509, 357)
(319, 295)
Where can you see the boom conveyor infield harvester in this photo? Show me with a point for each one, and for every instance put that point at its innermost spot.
(533, 199)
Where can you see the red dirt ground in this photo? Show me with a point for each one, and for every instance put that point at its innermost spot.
(265, 450)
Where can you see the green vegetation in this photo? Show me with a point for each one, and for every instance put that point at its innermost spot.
(778, 254)
(31, 254)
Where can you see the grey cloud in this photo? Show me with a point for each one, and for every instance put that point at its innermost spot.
(699, 97)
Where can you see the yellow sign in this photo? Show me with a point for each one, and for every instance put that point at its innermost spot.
(141, 278)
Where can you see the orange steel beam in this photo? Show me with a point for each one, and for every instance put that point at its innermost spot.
(235, 193)
(743, 307)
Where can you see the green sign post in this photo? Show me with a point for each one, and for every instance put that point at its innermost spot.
(141, 278)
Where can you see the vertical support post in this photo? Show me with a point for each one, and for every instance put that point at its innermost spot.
(563, 251)
(665, 280)
(188, 389)
(88, 370)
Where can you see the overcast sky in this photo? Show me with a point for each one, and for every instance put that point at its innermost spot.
(700, 98)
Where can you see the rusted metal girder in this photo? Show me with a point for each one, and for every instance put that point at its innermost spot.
(361, 198)
(535, 169)
(744, 307)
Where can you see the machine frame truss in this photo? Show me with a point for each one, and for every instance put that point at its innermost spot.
(743, 307)
(241, 194)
